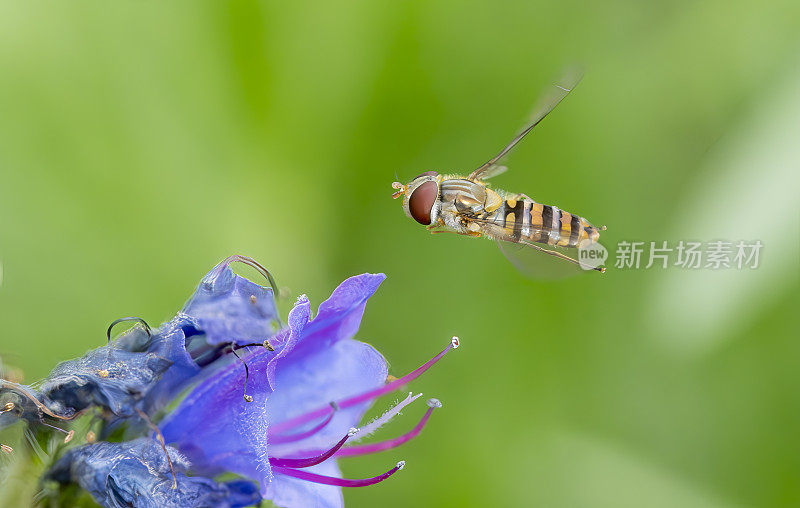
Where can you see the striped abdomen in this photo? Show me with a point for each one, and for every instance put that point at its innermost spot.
(525, 219)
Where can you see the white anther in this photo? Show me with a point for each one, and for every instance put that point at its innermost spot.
(455, 342)
(434, 403)
(400, 465)
(352, 432)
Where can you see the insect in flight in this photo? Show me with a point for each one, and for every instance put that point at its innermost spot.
(467, 206)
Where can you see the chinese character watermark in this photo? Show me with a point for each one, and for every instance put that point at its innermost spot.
(629, 255)
(715, 255)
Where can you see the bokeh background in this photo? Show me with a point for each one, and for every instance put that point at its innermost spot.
(142, 142)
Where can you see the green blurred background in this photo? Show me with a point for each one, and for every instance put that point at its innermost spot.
(140, 143)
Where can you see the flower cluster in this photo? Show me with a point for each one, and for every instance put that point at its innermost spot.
(223, 388)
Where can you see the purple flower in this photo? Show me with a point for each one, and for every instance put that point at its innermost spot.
(107, 377)
(145, 369)
(308, 397)
(311, 384)
(139, 473)
(228, 308)
(225, 310)
(18, 401)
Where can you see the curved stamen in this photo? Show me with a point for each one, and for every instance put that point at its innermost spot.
(234, 347)
(247, 398)
(265, 344)
(313, 461)
(308, 433)
(160, 439)
(369, 395)
(339, 482)
(14, 387)
(391, 443)
(122, 320)
(247, 260)
(69, 434)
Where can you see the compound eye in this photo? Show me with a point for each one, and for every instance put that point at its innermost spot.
(427, 173)
(421, 202)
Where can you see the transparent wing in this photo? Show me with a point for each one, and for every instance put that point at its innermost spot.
(535, 264)
(549, 100)
(533, 259)
(492, 171)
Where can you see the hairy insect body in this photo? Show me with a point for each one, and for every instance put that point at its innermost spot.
(471, 208)
(521, 219)
(467, 206)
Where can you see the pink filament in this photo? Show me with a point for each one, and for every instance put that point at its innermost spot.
(302, 435)
(369, 395)
(389, 443)
(310, 461)
(339, 482)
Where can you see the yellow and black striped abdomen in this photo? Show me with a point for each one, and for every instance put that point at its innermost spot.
(527, 220)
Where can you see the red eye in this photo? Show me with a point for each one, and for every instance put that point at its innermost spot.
(421, 202)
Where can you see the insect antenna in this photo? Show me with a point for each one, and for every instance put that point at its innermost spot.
(401, 189)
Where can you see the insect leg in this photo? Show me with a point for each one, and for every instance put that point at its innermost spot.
(468, 233)
(562, 256)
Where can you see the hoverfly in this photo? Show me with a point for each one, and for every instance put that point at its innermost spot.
(467, 206)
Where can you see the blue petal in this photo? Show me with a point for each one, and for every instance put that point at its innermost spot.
(288, 338)
(24, 408)
(169, 342)
(339, 317)
(136, 473)
(221, 432)
(229, 308)
(107, 377)
(289, 492)
(217, 429)
(347, 368)
(316, 363)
